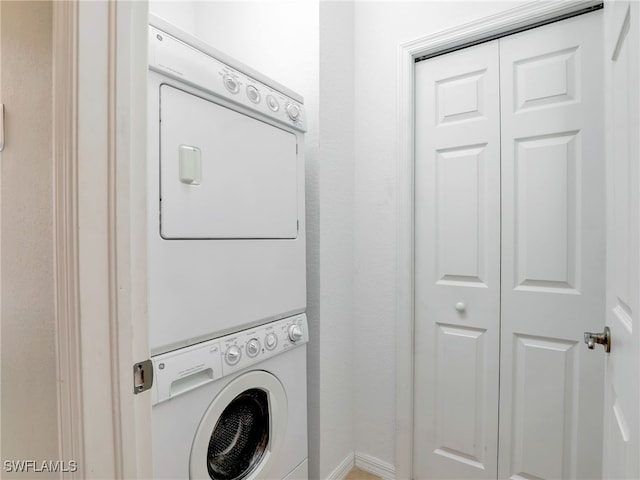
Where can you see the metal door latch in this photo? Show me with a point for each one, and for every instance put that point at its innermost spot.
(603, 338)
(142, 376)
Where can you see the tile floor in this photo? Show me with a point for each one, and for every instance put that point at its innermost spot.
(357, 474)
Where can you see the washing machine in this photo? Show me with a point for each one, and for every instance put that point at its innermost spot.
(234, 407)
(226, 216)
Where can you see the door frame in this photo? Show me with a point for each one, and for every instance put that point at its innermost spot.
(99, 204)
(510, 21)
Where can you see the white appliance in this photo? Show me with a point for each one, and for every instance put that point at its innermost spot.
(234, 407)
(226, 223)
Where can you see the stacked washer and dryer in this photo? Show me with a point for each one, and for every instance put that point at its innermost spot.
(226, 256)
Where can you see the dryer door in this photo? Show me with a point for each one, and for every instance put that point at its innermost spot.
(241, 431)
(224, 174)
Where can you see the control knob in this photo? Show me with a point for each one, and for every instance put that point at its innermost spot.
(253, 347)
(272, 103)
(293, 111)
(295, 333)
(232, 355)
(253, 94)
(271, 341)
(231, 83)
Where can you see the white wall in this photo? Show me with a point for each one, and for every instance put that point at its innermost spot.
(29, 390)
(336, 235)
(380, 27)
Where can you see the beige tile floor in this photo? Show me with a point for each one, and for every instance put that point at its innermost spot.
(357, 474)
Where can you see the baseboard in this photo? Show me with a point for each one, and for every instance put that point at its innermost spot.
(375, 466)
(343, 468)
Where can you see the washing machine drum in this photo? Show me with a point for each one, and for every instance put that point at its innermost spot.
(241, 431)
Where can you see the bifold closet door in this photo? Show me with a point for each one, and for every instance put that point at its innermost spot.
(457, 264)
(553, 251)
(509, 257)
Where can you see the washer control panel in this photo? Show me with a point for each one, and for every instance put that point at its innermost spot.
(191, 367)
(247, 347)
(179, 60)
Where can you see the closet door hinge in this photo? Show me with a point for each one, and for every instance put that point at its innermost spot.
(142, 376)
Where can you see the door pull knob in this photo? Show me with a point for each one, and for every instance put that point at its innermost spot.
(603, 338)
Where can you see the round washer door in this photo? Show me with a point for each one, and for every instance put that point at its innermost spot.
(241, 430)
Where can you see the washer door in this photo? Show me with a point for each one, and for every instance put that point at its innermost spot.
(241, 431)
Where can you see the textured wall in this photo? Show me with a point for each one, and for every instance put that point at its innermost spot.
(29, 397)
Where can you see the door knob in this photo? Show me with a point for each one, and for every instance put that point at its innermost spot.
(603, 338)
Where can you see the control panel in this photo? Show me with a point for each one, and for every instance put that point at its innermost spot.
(247, 347)
(183, 370)
(179, 60)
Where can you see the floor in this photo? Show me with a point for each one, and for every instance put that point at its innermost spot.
(357, 474)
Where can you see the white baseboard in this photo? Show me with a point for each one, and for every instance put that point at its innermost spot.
(343, 468)
(375, 466)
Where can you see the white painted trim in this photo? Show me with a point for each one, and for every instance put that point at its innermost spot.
(69, 366)
(521, 16)
(404, 266)
(499, 24)
(100, 263)
(343, 468)
(375, 466)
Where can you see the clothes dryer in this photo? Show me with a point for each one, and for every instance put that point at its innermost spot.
(226, 223)
(233, 408)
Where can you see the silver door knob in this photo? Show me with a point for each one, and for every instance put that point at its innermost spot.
(603, 338)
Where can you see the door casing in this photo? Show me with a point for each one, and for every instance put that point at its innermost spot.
(99, 131)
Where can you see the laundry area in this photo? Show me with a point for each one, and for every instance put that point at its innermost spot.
(320, 240)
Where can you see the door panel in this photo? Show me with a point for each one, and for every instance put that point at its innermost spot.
(460, 244)
(459, 426)
(546, 239)
(457, 264)
(544, 399)
(552, 250)
(622, 57)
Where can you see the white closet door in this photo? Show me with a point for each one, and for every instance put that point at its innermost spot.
(552, 251)
(457, 278)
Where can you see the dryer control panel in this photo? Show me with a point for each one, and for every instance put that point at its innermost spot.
(191, 65)
(183, 370)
